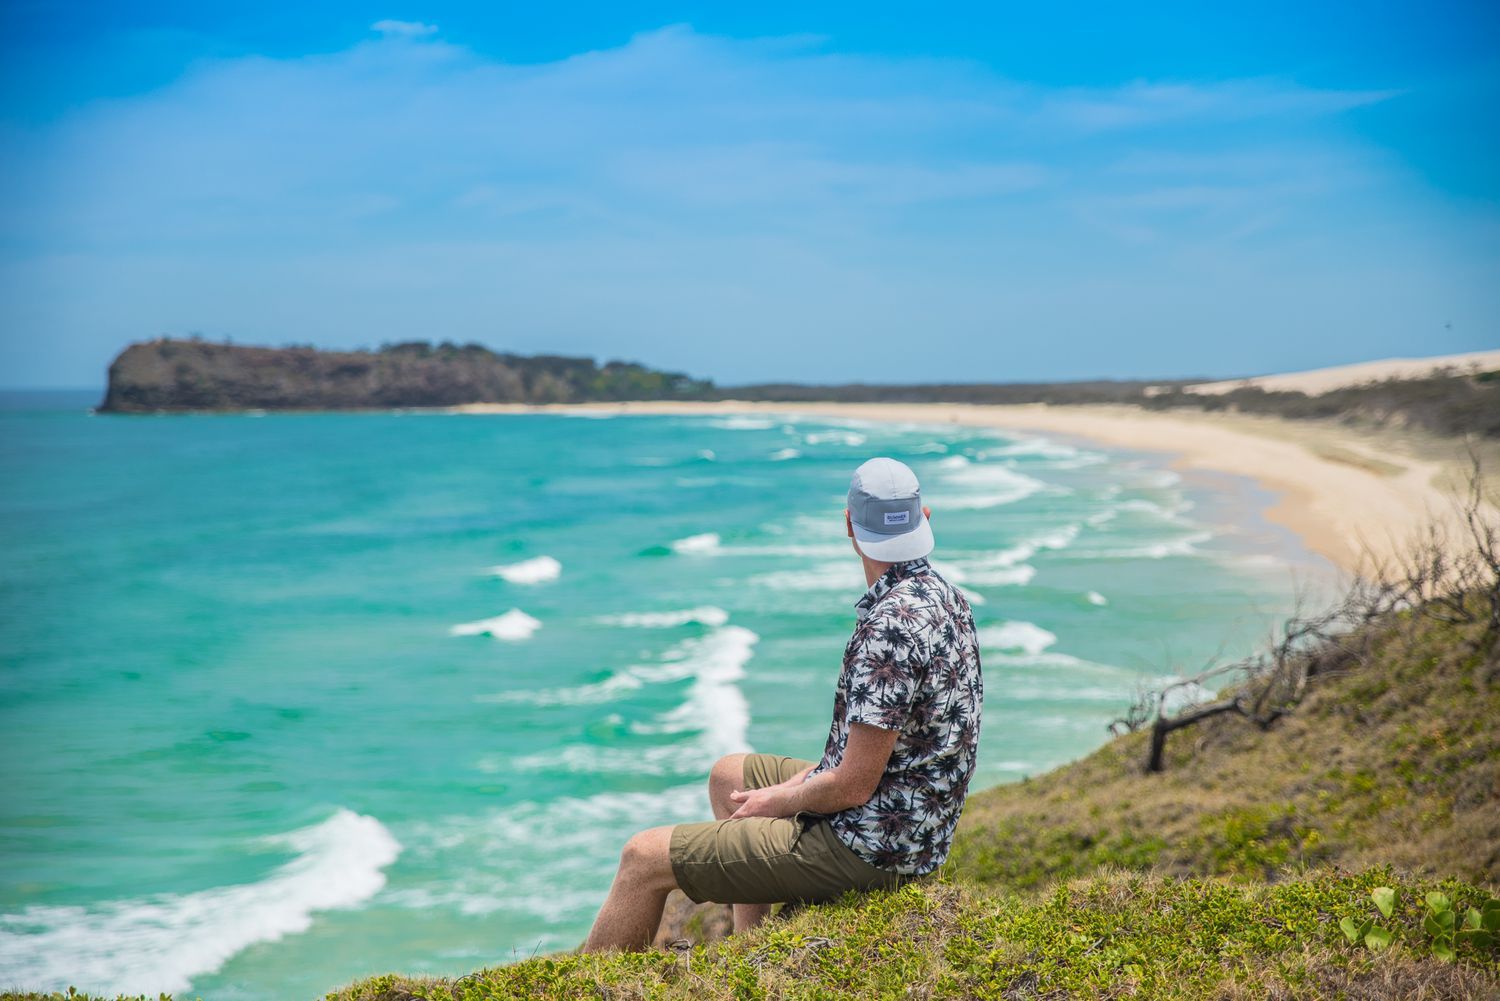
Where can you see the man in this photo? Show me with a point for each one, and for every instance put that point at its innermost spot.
(880, 807)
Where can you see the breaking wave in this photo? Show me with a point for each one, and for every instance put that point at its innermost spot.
(707, 542)
(160, 943)
(513, 625)
(706, 615)
(533, 571)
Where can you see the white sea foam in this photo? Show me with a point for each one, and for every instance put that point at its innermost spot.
(1057, 538)
(1048, 658)
(160, 943)
(825, 550)
(841, 576)
(532, 571)
(1095, 598)
(707, 615)
(521, 859)
(1159, 479)
(707, 542)
(1054, 455)
(513, 625)
(1005, 567)
(783, 454)
(1186, 545)
(741, 422)
(981, 501)
(1182, 696)
(1002, 576)
(929, 447)
(1166, 512)
(958, 576)
(1117, 695)
(714, 705)
(707, 454)
(853, 439)
(950, 572)
(1035, 446)
(715, 708)
(1079, 461)
(982, 486)
(1024, 636)
(607, 690)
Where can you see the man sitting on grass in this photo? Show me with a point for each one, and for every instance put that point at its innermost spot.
(880, 807)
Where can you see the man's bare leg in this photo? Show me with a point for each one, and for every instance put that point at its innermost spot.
(728, 775)
(632, 911)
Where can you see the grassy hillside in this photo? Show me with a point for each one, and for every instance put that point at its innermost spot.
(1396, 761)
(1226, 876)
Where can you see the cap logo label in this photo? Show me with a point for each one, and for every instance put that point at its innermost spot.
(897, 517)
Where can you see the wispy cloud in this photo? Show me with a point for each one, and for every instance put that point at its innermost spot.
(403, 29)
(796, 200)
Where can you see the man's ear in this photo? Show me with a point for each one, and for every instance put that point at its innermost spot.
(927, 511)
(848, 523)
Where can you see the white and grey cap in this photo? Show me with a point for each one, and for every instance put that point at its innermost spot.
(885, 508)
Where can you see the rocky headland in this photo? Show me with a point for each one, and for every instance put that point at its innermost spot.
(169, 374)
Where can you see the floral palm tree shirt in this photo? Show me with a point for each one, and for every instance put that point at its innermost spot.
(911, 666)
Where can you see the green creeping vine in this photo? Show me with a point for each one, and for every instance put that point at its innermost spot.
(1374, 936)
(1479, 926)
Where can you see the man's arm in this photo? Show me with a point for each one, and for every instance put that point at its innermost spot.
(852, 783)
(796, 780)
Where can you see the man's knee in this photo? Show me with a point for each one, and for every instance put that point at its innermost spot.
(637, 850)
(648, 855)
(728, 772)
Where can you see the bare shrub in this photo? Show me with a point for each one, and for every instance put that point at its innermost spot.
(1437, 579)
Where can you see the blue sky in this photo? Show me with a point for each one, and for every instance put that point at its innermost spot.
(756, 192)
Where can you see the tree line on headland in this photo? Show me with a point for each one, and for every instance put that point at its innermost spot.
(193, 374)
(171, 374)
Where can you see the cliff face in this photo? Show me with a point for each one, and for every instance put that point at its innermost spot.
(167, 374)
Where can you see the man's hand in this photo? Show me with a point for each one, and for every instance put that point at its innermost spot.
(767, 802)
(852, 783)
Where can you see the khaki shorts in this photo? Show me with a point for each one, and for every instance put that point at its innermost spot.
(766, 860)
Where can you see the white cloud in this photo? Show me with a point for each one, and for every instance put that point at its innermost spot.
(741, 208)
(403, 29)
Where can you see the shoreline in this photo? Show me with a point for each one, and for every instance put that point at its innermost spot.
(1356, 498)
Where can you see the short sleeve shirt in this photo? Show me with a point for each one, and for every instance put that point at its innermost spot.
(911, 666)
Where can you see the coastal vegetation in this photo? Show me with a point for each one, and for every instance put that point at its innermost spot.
(169, 374)
(1449, 403)
(193, 374)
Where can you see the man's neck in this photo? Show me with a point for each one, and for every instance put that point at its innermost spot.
(874, 569)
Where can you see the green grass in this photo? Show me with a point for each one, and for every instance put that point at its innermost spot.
(1395, 762)
(1114, 934)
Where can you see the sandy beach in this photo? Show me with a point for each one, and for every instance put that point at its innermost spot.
(1358, 498)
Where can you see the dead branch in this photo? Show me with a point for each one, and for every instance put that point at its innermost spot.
(1455, 582)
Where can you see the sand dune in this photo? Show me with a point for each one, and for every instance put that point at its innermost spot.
(1321, 380)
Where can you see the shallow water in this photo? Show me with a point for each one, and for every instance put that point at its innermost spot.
(295, 698)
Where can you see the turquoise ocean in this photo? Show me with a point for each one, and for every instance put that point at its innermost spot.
(289, 699)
